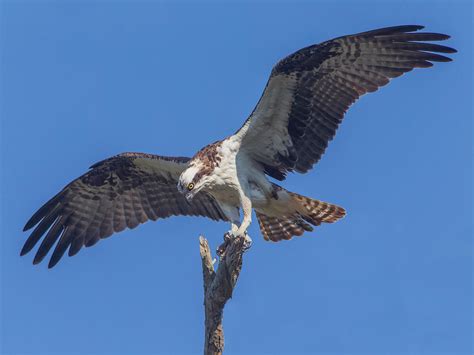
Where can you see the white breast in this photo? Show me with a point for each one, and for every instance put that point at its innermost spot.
(225, 184)
(237, 173)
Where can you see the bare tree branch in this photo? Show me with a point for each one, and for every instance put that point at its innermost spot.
(218, 288)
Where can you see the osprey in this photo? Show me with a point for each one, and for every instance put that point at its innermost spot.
(303, 103)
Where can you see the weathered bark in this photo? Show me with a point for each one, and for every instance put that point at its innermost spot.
(218, 288)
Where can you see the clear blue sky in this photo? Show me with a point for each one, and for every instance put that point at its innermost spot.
(86, 80)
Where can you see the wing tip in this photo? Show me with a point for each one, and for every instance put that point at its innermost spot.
(451, 50)
(411, 28)
(24, 251)
(405, 29)
(33, 221)
(52, 263)
(38, 259)
(383, 31)
(436, 36)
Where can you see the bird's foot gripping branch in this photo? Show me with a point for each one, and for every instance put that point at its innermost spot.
(219, 285)
(221, 249)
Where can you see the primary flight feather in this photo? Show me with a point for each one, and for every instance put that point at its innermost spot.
(302, 105)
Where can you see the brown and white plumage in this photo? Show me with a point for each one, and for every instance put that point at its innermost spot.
(117, 193)
(299, 112)
(309, 92)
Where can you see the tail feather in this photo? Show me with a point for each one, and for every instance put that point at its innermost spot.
(308, 212)
(319, 211)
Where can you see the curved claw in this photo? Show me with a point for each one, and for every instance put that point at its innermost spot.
(247, 242)
(220, 251)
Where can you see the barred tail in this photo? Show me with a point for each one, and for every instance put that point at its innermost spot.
(308, 212)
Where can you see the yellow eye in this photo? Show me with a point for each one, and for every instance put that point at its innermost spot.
(190, 186)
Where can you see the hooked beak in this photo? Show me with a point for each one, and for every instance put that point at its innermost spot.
(189, 196)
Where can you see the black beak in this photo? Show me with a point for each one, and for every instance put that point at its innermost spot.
(189, 196)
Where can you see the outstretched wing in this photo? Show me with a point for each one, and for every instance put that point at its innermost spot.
(309, 92)
(117, 193)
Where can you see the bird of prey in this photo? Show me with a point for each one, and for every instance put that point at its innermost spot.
(304, 101)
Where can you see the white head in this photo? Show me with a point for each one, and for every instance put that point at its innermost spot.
(199, 175)
(192, 180)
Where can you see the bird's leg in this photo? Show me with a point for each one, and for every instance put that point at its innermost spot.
(234, 227)
(234, 216)
(237, 228)
(246, 205)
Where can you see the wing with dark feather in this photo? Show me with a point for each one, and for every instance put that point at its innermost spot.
(117, 193)
(309, 92)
